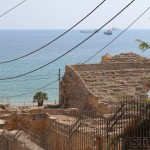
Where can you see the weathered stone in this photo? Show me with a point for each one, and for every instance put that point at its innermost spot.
(110, 81)
(21, 143)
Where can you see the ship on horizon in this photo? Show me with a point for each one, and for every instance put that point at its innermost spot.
(108, 32)
(88, 31)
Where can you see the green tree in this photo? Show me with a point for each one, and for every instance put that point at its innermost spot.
(143, 45)
(40, 97)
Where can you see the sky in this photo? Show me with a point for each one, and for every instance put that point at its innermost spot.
(62, 14)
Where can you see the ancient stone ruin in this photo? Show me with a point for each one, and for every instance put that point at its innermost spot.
(89, 101)
(104, 84)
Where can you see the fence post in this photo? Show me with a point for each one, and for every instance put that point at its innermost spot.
(99, 143)
(107, 132)
(68, 148)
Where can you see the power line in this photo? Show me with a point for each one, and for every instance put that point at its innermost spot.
(8, 61)
(12, 8)
(117, 36)
(32, 91)
(30, 80)
(34, 78)
(70, 49)
(53, 89)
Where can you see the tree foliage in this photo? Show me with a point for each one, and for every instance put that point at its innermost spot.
(143, 45)
(40, 97)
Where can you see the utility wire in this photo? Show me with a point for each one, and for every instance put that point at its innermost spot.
(12, 8)
(30, 80)
(33, 90)
(35, 77)
(70, 49)
(8, 61)
(103, 47)
(53, 89)
(44, 77)
(117, 36)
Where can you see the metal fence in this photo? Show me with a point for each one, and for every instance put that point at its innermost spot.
(85, 134)
(128, 128)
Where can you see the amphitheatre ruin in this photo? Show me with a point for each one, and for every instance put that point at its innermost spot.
(97, 104)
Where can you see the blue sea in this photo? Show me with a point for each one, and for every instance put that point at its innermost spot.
(15, 43)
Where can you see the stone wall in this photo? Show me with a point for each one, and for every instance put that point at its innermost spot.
(125, 58)
(79, 141)
(74, 112)
(21, 143)
(33, 122)
(111, 66)
(74, 92)
(59, 138)
(106, 83)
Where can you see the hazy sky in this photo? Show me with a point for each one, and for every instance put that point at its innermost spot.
(62, 14)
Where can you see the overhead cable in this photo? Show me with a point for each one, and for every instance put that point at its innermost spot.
(33, 90)
(70, 49)
(117, 36)
(12, 8)
(8, 61)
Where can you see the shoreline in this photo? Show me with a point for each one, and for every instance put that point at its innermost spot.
(18, 108)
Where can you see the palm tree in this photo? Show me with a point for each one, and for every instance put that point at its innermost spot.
(40, 97)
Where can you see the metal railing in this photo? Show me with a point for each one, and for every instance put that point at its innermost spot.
(130, 129)
(123, 130)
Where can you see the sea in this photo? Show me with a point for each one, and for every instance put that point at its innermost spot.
(17, 43)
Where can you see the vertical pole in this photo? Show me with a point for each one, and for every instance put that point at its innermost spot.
(107, 132)
(59, 78)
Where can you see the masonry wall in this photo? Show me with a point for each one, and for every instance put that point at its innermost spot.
(74, 112)
(111, 66)
(59, 139)
(21, 143)
(33, 122)
(105, 84)
(74, 92)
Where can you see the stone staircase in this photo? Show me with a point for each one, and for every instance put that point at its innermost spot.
(116, 77)
(127, 57)
(110, 85)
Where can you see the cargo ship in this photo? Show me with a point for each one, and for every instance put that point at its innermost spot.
(108, 32)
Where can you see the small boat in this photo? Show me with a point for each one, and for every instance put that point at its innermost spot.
(108, 32)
